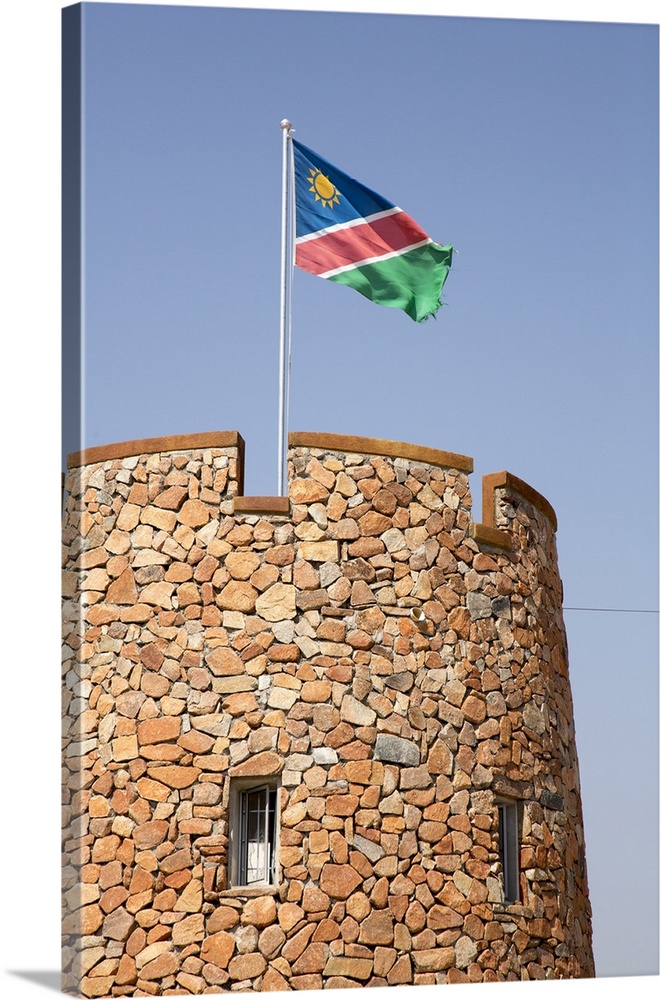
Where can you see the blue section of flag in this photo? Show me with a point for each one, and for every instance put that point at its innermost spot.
(316, 206)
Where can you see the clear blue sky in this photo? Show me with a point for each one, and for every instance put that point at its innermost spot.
(532, 146)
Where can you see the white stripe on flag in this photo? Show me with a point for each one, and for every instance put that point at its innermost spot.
(348, 225)
(374, 260)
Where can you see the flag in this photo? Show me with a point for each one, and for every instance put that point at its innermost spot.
(349, 234)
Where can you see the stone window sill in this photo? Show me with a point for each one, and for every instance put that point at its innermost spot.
(249, 892)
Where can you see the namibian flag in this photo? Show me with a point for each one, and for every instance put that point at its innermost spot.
(350, 234)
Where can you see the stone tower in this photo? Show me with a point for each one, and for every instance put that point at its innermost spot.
(321, 740)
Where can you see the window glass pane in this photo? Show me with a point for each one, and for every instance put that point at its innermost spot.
(256, 822)
(508, 845)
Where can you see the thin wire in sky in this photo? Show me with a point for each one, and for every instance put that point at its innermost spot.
(621, 611)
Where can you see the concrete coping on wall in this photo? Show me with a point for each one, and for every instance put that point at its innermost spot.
(149, 446)
(505, 480)
(379, 446)
(485, 532)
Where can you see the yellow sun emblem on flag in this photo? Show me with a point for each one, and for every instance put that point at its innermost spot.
(323, 188)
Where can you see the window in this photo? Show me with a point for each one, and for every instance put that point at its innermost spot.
(253, 835)
(507, 814)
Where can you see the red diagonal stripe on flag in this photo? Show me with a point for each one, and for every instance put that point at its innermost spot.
(356, 243)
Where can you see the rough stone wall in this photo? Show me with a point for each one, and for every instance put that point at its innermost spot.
(209, 637)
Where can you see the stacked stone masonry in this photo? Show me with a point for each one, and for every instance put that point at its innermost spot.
(212, 639)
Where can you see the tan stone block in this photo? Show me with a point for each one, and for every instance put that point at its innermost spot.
(401, 972)
(316, 691)
(138, 494)
(194, 514)
(284, 652)
(442, 917)
(191, 983)
(347, 529)
(171, 498)
(274, 981)
(97, 986)
(112, 898)
(191, 899)
(351, 968)
(158, 594)
(338, 847)
(129, 517)
(377, 929)
(474, 709)
(264, 577)
(158, 730)
(118, 542)
(174, 775)
(306, 491)
(212, 762)
(230, 685)
(294, 814)
(341, 805)
(98, 807)
(361, 594)
(224, 662)
(97, 579)
(339, 881)
(290, 915)
(187, 594)
(164, 520)
(314, 900)
(433, 959)
(150, 834)
(372, 523)
(278, 603)
(90, 919)
(356, 712)
(153, 790)
(282, 698)
(237, 596)
(280, 555)
(384, 959)
(102, 614)
(141, 881)
(336, 506)
(92, 557)
(259, 912)
(319, 551)
(247, 967)
(440, 758)
(264, 763)
(297, 944)
(271, 940)
(364, 772)
(118, 924)
(345, 486)
(178, 572)
(241, 565)
(126, 973)
(164, 965)
(195, 742)
(318, 841)
(312, 960)
(124, 748)
(239, 704)
(222, 919)
(305, 577)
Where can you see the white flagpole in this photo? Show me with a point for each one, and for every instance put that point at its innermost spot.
(285, 319)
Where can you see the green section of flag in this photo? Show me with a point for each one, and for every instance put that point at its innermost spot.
(411, 281)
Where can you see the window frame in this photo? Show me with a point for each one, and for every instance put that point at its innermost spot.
(239, 812)
(508, 832)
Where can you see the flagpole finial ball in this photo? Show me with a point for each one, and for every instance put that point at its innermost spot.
(285, 124)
